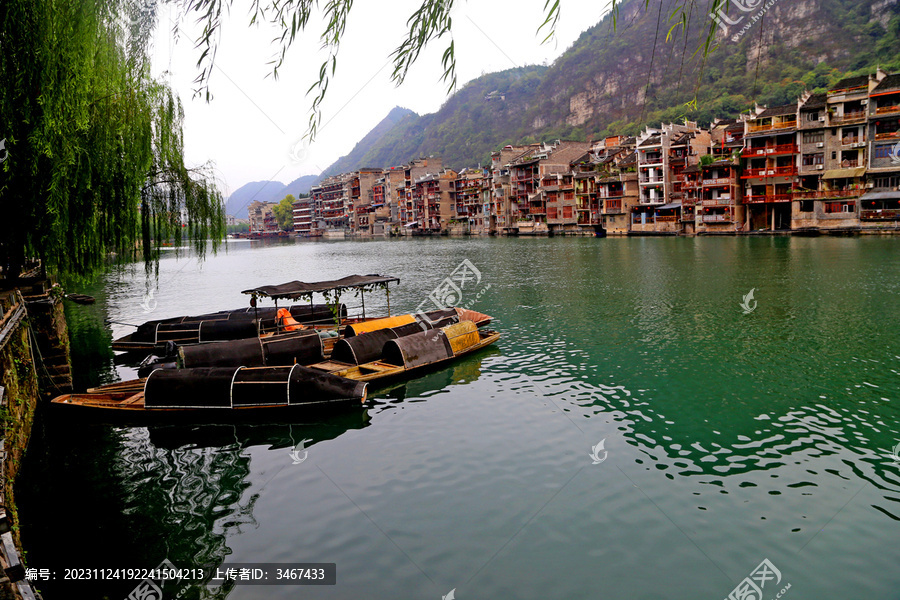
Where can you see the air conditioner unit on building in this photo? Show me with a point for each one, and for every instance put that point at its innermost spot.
(820, 167)
(821, 119)
(870, 185)
(864, 101)
(820, 144)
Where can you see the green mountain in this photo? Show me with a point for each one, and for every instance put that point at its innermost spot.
(266, 191)
(360, 154)
(643, 70)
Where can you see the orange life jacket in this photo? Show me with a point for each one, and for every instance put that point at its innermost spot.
(285, 321)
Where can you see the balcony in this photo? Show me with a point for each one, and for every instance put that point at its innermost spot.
(849, 117)
(770, 126)
(888, 135)
(770, 150)
(769, 172)
(822, 194)
(880, 215)
(888, 110)
(768, 198)
(719, 181)
(716, 218)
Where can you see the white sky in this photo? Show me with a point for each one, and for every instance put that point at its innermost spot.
(253, 123)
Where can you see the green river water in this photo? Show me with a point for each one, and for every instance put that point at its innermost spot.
(729, 437)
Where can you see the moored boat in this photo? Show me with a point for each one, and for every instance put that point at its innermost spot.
(399, 357)
(225, 325)
(406, 355)
(255, 321)
(302, 347)
(216, 395)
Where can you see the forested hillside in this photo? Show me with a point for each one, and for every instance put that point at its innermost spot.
(615, 79)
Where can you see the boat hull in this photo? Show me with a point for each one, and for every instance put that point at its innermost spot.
(259, 415)
(215, 395)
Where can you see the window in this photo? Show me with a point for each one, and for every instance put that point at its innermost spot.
(810, 160)
(891, 181)
(883, 151)
(834, 156)
(840, 207)
(812, 116)
(806, 205)
(813, 137)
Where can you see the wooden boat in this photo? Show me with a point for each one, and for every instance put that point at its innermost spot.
(213, 393)
(80, 298)
(254, 321)
(242, 323)
(406, 355)
(216, 395)
(302, 347)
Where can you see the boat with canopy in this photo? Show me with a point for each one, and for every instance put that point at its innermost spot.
(255, 321)
(212, 393)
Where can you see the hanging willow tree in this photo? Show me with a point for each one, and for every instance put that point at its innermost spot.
(94, 159)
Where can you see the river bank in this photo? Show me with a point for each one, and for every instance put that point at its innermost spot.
(34, 364)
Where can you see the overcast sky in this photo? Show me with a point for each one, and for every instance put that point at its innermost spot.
(254, 122)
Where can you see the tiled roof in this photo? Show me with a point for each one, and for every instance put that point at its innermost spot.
(566, 152)
(608, 159)
(524, 157)
(651, 141)
(891, 82)
(631, 159)
(692, 169)
(722, 162)
(563, 154)
(585, 157)
(850, 83)
(815, 101)
(778, 111)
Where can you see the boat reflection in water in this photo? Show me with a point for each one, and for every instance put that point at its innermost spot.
(184, 493)
(175, 493)
(204, 472)
(462, 372)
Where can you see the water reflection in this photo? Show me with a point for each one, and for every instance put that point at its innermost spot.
(730, 436)
(462, 372)
(174, 492)
(93, 361)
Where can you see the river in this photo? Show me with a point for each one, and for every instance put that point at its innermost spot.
(643, 430)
